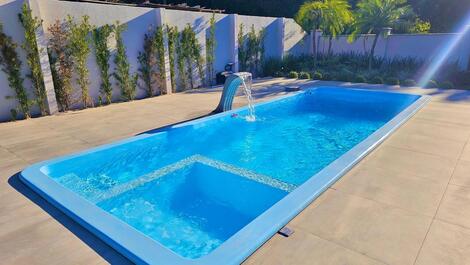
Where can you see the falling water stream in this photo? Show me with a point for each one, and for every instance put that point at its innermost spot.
(247, 89)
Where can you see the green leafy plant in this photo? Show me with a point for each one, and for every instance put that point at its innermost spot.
(11, 66)
(408, 82)
(31, 24)
(80, 41)
(101, 38)
(181, 58)
(393, 81)
(377, 80)
(160, 49)
(432, 84)
(242, 53)
(251, 50)
(360, 79)
(148, 63)
(317, 75)
(293, 74)
(372, 16)
(191, 52)
(447, 85)
(173, 39)
(304, 75)
(126, 81)
(61, 63)
(210, 50)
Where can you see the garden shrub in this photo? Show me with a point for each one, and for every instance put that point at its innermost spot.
(376, 80)
(293, 74)
(60, 59)
(408, 82)
(360, 79)
(80, 49)
(30, 46)
(304, 75)
(393, 81)
(101, 37)
(211, 43)
(11, 65)
(446, 85)
(148, 64)
(173, 39)
(432, 84)
(345, 75)
(317, 76)
(126, 81)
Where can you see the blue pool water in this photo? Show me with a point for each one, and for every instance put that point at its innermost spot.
(192, 187)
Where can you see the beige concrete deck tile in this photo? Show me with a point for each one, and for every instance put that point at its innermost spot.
(466, 152)
(394, 187)
(455, 206)
(427, 144)
(436, 129)
(461, 175)
(38, 150)
(420, 164)
(46, 242)
(305, 248)
(445, 244)
(383, 232)
(451, 113)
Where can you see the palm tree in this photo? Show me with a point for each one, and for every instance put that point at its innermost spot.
(374, 15)
(309, 17)
(336, 16)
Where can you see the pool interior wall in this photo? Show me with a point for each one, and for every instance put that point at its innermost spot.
(195, 188)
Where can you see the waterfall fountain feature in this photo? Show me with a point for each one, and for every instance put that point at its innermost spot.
(232, 83)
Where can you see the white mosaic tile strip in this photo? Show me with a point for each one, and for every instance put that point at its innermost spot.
(119, 189)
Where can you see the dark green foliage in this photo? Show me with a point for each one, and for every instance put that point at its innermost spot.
(345, 75)
(61, 63)
(80, 40)
(317, 75)
(293, 74)
(408, 82)
(31, 24)
(210, 50)
(173, 39)
(101, 37)
(360, 79)
(148, 64)
(377, 80)
(160, 50)
(447, 85)
(432, 84)
(191, 54)
(304, 75)
(393, 81)
(251, 50)
(126, 81)
(11, 66)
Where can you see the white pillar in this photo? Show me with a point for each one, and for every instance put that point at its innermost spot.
(167, 85)
(233, 33)
(51, 102)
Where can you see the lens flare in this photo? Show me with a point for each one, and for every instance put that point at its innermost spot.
(444, 53)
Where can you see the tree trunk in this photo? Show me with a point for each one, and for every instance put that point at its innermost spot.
(372, 50)
(314, 47)
(330, 42)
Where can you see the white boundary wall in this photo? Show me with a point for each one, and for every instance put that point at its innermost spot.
(283, 37)
(421, 46)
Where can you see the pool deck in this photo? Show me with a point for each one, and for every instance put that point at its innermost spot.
(408, 202)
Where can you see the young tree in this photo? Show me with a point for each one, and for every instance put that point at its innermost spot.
(309, 17)
(374, 15)
(336, 17)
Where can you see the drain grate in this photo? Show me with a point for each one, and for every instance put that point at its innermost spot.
(286, 231)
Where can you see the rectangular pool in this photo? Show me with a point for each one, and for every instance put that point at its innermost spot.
(212, 190)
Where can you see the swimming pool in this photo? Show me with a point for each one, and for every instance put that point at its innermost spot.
(214, 189)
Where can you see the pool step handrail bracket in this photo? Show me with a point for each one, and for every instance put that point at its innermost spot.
(231, 85)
